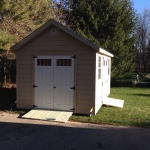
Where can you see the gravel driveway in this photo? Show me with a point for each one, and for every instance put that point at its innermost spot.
(25, 134)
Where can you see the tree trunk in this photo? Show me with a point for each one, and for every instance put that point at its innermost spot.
(145, 69)
(2, 72)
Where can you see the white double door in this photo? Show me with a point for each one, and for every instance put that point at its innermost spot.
(54, 80)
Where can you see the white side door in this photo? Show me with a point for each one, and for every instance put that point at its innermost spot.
(63, 82)
(44, 82)
(98, 83)
(105, 78)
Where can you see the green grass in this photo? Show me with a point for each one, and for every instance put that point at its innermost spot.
(136, 111)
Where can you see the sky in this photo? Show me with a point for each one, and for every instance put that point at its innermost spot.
(139, 5)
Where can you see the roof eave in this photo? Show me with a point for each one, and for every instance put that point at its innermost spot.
(45, 26)
(105, 52)
(62, 27)
(30, 36)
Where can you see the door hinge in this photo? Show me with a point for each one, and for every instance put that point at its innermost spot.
(34, 106)
(35, 56)
(74, 56)
(73, 88)
(73, 109)
(35, 86)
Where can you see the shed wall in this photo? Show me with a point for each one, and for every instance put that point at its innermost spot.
(102, 80)
(98, 82)
(62, 44)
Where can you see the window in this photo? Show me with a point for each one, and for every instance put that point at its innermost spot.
(43, 62)
(99, 67)
(53, 31)
(108, 66)
(63, 62)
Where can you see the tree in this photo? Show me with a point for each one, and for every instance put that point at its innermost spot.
(7, 68)
(6, 40)
(61, 10)
(143, 41)
(19, 18)
(110, 24)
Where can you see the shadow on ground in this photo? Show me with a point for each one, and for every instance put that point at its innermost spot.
(44, 135)
(8, 99)
(128, 83)
(147, 95)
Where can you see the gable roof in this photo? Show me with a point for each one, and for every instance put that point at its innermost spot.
(65, 29)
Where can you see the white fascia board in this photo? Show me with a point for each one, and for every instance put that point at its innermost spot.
(105, 52)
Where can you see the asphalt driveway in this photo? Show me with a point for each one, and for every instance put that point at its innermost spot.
(25, 134)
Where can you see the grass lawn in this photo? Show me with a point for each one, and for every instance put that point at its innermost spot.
(136, 111)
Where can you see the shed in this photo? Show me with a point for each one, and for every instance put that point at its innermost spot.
(59, 69)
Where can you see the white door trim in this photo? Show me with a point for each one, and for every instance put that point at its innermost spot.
(63, 74)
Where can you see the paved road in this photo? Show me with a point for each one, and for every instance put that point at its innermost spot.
(24, 134)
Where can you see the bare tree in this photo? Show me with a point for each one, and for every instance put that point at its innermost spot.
(61, 10)
(143, 40)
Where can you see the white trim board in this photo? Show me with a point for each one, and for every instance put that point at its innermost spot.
(113, 102)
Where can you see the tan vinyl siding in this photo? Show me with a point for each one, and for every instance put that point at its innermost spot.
(25, 93)
(49, 48)
(24, 88)
(62, 44)
(83, 67)
(83, 91)
(25, 62)
(82, 76)
(85, 83)
(81, 102)
(24, 79)
(84, 96)
(84, 111)
(24, 106)
(25, 75)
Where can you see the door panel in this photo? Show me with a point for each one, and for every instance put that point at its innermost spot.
(54, 76)
(67, 98)
(44, 81)
(57, 97)
(63, 81)
(105, 77)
